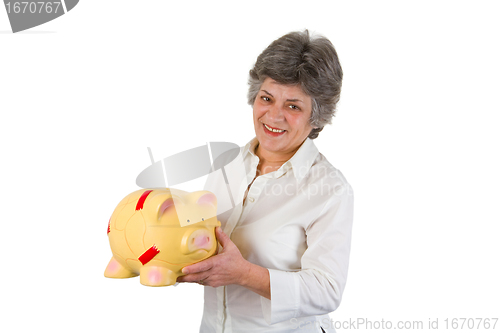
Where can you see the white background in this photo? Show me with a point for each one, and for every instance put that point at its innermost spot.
(416, 135)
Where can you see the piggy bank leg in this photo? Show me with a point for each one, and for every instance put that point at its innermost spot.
(156, 276)
(117, 271)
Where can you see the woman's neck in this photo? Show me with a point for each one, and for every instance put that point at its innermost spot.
(269, 161)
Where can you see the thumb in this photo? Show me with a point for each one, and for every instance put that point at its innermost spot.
(223, 239)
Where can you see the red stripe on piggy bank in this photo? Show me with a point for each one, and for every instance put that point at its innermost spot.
(171, 230)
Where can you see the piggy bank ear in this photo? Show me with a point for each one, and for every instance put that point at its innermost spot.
(207, 199)
(165, 207)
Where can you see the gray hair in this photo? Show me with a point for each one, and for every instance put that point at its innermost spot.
(312, 62)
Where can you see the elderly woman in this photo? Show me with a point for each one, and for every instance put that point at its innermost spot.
(285, 244)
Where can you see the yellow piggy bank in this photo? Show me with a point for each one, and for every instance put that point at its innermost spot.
(155, 233)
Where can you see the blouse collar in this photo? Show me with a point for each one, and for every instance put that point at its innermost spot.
(300, 163)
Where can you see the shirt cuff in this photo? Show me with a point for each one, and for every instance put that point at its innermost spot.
(284, 302)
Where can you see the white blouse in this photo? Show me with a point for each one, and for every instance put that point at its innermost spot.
(296, 222)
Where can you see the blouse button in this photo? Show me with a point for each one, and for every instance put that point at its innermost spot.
(251, 199)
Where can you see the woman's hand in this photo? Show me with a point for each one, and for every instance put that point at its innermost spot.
(228, 267)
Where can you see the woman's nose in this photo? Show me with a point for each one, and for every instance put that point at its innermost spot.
(275, 113)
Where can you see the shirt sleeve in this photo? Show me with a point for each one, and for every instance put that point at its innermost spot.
(317, 288)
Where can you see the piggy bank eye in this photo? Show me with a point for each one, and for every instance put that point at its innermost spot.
(201, 219)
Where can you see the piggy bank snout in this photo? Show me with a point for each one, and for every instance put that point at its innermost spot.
(200, 239)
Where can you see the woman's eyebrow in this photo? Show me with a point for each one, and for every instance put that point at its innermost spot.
(288, 100)
(267, 92)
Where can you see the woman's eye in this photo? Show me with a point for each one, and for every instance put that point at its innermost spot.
(294, 107)
(265, 98)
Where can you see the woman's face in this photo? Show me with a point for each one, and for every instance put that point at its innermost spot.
(284, 108)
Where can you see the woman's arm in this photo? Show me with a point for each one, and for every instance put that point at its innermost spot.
(317, 287)
(257, 280)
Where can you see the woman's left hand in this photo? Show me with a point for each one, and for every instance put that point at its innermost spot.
(227, 267)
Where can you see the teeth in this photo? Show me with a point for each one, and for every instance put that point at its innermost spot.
(273, 130)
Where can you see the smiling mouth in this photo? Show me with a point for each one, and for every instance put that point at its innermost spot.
(274, 130)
